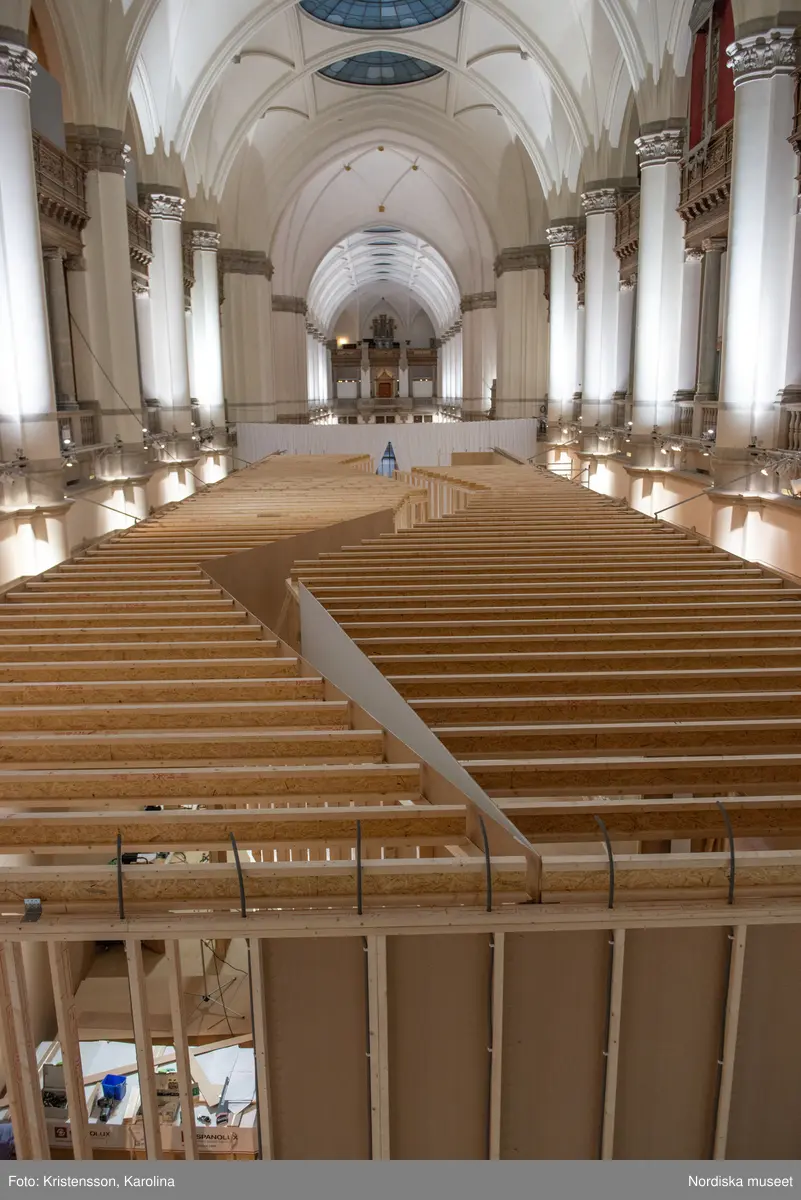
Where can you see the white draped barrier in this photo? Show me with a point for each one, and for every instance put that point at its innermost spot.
(414, 445)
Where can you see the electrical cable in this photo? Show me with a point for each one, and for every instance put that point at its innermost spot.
(730, 835)
(602, 826)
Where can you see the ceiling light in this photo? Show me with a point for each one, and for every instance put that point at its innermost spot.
(765, 471)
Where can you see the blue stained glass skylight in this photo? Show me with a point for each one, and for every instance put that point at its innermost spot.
(379, 14)
(381, 68)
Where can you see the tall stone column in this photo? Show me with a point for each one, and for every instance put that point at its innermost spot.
(144, 340)
(690, 320)
(522, 321)
(206, 334)
(291, 356)
(403, 374)
(104, 330)
(625, 333)
(659, 272)
(365, 386)
(60, 333)
(563, 356)
(761, 226)
(479, 350)
(171, 357)
(600, 305)
(706, 386)
(27, 393)
(247, 321)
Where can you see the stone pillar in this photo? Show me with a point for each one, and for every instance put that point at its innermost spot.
(458, 363)
(563, 356)
(522, 321)
(659, 271)
(690, 320)
(103, 306)
(761, 226)
(479, 350)
(171, 357)
(600, 305)
(365, 387)
(60, 333)
(206, 334)
(706, 386)
(247, 323)
(144, 331)
(625, 333)
(403, 374)
(291, 356)
(27, 393)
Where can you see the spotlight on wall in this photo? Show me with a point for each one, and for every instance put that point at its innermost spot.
(764, 471)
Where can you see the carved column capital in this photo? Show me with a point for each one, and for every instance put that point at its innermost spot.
(694, 254)
(98, 149)
(140, 288)
(762, 55)
(164, 205)
(660, 146)
(562, 235)
(16, 67)
(714, 245)
(204, 237)
(522, 258)
(479, 300)
(628, 285)
(599, 200)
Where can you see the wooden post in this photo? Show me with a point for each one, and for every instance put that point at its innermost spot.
(61, 976)
(10, 1049)
(21, 1024)
(496, 1083)
(379, 1045)
(613, 1046)
(177, 1013)
(260, 1049)
(730, 1041)
(144, 1049)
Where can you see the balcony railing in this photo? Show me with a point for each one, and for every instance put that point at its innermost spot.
(60, 185)
(627, 234)
(140, 236)
(706, 181)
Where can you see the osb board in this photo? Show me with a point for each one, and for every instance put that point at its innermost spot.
(316, 1039)
(766, 1096)
(553, 1041)
(438, 1018)
(674, 985)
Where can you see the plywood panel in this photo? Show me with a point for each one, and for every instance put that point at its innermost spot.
(673, 993)
(554, 1006)
(316, 1037)
(438, 1037)
(766, 1097)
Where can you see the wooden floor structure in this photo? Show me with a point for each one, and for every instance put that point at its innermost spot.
(421, 986)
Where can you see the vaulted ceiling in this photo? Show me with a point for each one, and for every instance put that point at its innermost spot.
(246, 104)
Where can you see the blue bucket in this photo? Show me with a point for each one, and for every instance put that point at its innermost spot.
(114, 1087)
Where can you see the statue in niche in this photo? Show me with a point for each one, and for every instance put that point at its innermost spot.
(383, 332)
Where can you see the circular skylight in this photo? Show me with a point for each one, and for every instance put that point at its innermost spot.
(381, 68)
(378, 14)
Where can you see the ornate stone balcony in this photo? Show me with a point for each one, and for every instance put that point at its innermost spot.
(706, 187)
(61, 191)
(140, 238)
(627, 234)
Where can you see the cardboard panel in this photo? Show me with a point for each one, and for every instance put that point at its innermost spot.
(439, 1066)
(674, 987)
(316, 1042)
(553, 1041)
(766, 1096)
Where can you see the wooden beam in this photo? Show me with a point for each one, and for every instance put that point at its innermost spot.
(496, 1061)
(730, 1041)
(379, 1045)
(172, 951)
(12, 1062)
(68, 1036)
(21, 1025)
(261, 1050)
(613, 1045)
(144, 1048)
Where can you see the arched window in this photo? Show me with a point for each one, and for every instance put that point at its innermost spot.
(389, 464)
(379, 14)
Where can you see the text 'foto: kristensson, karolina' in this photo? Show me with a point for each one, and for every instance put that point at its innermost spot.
(741, 1181)
(93, 1181)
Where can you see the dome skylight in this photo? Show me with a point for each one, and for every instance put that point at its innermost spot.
(381, 68)
(379, 14)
